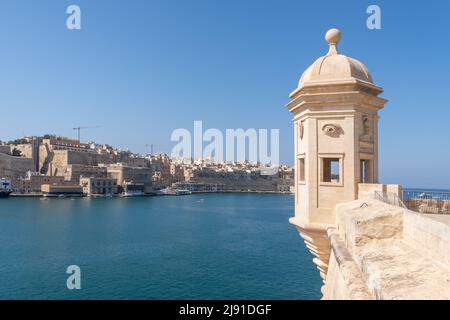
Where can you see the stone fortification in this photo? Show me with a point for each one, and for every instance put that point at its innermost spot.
(14, 167)
(381, 251)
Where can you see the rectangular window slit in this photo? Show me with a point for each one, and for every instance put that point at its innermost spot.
(331, 170)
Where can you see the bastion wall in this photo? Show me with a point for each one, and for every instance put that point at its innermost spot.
(14, 167)
(382, 251)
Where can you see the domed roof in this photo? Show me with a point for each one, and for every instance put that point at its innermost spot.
(334, 67)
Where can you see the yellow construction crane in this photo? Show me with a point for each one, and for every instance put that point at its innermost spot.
(83, 128)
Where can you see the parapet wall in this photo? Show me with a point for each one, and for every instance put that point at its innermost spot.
(381, 251)
(367, 190)
(430, 234)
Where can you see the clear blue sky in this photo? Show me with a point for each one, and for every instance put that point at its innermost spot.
(141, 69)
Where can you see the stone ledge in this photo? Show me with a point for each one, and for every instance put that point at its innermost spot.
(395, 270)
(361, 221)
(388, 249)
(352, 278)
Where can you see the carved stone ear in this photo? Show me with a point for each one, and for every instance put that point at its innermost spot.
(332, 130)
(366, 125)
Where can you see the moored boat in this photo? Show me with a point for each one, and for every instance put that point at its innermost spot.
(182, 192)
(132, 193)
(5, 188)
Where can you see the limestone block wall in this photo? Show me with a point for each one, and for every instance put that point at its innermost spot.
(367, 190)
(428, 233)
(25, 149)
(381, 251)
(344, 280)
(5, 149)
(361, 222)
(336, 287)
(14, 167)
(75, 171)
(58, 161)
(87, 158)
(44, 158)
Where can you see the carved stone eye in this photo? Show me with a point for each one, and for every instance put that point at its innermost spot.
(332, 130)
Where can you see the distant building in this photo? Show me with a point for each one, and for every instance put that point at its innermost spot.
(56, 190)
(74, 172)
(60, 143)
(134, 189)
(199, 187)
(285, 188)
(57, 154)
(62, 157)
(235, 179)
(126, 176)
(99, 186)
(57, 162)
(33, 182)
(163, 171)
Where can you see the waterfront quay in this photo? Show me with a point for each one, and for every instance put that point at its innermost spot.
(54, 166)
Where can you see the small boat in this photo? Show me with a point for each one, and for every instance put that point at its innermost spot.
(63, 195)
(165, 192)
(132, 193)
(424, 195)
(4, 194)
(173, 192)
(182, 192)
(5, 188)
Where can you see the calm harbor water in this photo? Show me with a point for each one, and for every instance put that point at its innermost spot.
(215, 246)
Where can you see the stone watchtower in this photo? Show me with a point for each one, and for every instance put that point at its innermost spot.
(335, 110)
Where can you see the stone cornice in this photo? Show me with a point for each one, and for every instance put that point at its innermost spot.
(338, 86)
(335, 99)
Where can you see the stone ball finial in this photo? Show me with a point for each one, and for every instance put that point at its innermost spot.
(333, 36)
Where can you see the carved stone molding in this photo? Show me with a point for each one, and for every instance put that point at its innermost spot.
(301, 130)
(332, 130)
(366, 147)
